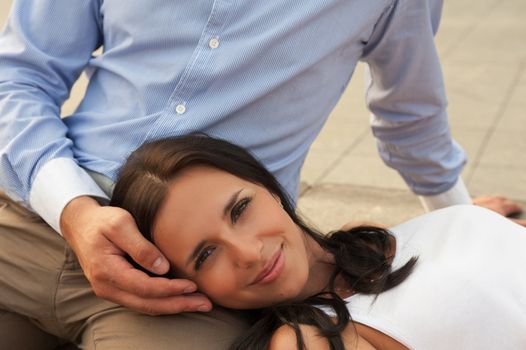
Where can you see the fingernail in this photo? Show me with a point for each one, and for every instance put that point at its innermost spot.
(189, 290)
(204, 308)
(157, 265)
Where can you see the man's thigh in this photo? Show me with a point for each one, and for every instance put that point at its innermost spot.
(124, 329)
(31, 256)
(31, 259)
(17, 332)
(94, 323)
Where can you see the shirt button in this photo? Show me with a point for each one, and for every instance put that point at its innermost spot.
(213, 43)
(180, 109)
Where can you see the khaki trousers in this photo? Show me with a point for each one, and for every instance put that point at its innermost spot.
(45, 300)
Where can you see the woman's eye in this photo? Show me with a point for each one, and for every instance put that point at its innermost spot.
(238, 209)
(205, 253)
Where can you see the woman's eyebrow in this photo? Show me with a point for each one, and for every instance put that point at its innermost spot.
(230, 203)
(226, 210)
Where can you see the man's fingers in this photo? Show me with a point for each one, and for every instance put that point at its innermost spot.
(115, 279)
(121, 275)
(124, 233)
(499, 204)
(509, 207)
(163, 306)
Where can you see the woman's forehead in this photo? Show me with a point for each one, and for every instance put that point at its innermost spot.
(196, 200)
(195, 179)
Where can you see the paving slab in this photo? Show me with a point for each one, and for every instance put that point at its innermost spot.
(498, 35)
(506, 150)
(459, 18)
(318, 164)
(5, 6)
(367, 171)
(338, 136)
(494, 179)
(477, 91)
(328, 206)
(513, 117)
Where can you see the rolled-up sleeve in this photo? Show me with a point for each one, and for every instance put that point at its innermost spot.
(406, 95)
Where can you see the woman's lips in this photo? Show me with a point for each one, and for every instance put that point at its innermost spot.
(272, 269)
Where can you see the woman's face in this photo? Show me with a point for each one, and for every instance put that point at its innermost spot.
(232, 238)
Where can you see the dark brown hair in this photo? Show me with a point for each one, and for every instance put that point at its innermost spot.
(360, 254)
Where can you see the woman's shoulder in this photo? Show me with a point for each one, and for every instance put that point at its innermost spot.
(285, 339)
(452, 219)
(466, 212)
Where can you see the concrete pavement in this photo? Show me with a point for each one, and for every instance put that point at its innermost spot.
(482, 45)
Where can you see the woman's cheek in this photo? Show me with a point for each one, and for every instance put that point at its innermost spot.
(218, 282)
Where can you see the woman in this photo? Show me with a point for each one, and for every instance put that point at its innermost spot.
(223, 221)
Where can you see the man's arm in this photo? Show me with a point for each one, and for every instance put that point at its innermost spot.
(44, 48)
(406, 96)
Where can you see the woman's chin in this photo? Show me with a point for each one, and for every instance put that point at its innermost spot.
(258, 303)
(284, 290)
(247, 305)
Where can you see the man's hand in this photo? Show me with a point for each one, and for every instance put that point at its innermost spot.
(501, 205)
(101, 237)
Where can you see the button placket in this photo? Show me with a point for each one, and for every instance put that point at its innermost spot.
(213, 43)
(192, 78)
(180, 109)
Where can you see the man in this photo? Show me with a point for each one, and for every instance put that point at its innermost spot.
(262, 75)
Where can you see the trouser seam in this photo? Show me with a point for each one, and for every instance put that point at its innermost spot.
(93, 341)
(58, 324)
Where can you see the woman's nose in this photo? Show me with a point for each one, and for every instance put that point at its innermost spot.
(247, 252)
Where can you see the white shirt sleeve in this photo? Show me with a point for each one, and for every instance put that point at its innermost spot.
(57, 183)
(458, 194)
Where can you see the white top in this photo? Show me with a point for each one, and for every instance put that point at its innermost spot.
(467, 291)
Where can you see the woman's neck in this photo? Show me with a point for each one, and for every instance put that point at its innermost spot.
(321, 268)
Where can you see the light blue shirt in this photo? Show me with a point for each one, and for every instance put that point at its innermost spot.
(262, 74)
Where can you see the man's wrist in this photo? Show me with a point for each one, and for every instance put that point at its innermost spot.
(74, 209)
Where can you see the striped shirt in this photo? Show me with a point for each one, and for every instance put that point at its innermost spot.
(261, 74)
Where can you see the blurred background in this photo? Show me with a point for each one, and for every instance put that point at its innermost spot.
(482, 46)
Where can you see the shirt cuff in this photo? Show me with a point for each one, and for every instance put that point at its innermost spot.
(458, 194)
(57, 183)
